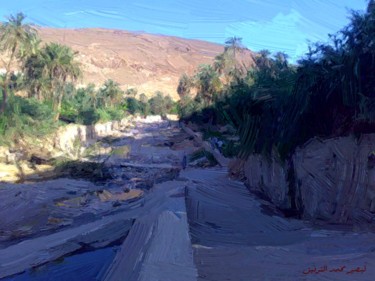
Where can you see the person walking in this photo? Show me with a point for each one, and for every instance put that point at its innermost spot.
(184, 162)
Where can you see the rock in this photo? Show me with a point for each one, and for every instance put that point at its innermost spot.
(331, 180)
(59, 222)
(6, 156)
(22, 171)
(105, 195)
(145, 184)
(92, 171)
(72, 202)
(201, 162)
(268, 177)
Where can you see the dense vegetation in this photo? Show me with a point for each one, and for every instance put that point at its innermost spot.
(39, 93)
(276, 106)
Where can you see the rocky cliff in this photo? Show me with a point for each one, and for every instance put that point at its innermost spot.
(331, 180)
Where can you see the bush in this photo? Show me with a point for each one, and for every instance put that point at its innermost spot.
(69, 112)
(104, 115)
(133, 105)
(230, 149)
(111, 113)
(25, 117)
(162, 105)
(88, 117)
(186, 107)
(116, 113)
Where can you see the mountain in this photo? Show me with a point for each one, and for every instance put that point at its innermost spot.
(147, 62)
(136, 60)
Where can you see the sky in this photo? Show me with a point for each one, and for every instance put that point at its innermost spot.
(277, 25)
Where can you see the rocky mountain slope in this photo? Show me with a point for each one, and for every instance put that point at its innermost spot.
(144, 61)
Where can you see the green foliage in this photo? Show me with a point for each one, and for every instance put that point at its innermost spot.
(231, 149)
(110, 113)
(110, 93)
(210, 134)
(134, 106)
(208, 85)
(157, 104)
(104, 115)
(132, 92)
(86, 106)
(89, 116)
(48, 76)
(144, 105)
(184, 86)
(25, 118)
(15, 36)
(278, 106)
(186, 107)
(116, 113)
(162, 105)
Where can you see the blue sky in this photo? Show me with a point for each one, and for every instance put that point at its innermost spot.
(277, 25)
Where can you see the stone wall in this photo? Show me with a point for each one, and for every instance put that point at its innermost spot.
(331, 180)
(66, 140)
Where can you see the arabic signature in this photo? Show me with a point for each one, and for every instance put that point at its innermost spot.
(314, 270)
(358, 269)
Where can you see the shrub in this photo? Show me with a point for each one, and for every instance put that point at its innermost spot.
(88, 116)
(133, 105)
(25, 117)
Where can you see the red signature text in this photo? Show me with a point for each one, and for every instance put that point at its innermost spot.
(342, 269)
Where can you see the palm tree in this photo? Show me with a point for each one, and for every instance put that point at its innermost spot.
(220, 63)
(92, 95)
(59, 66)
(263, 60)
(14, 36)
(208, 84)
(111, 92)
(232, 45)
(184, 85)
(132, 92)
(371, 6)
(33, 71)
(144, 104)
(281, 59)
(235, 44)
(30, 49)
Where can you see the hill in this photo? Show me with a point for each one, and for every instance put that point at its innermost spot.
(144, 61)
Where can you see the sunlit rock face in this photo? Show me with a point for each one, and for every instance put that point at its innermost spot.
(332, 180)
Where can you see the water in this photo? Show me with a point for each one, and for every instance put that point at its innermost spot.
(89, 266)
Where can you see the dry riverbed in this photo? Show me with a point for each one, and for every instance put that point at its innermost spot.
(148, 219)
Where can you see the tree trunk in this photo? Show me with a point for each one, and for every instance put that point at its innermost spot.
(58, 107)
(60, 91)
(5, 93)
(5, 97)
(6, 81)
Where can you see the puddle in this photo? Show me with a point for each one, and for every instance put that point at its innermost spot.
(88, 266)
